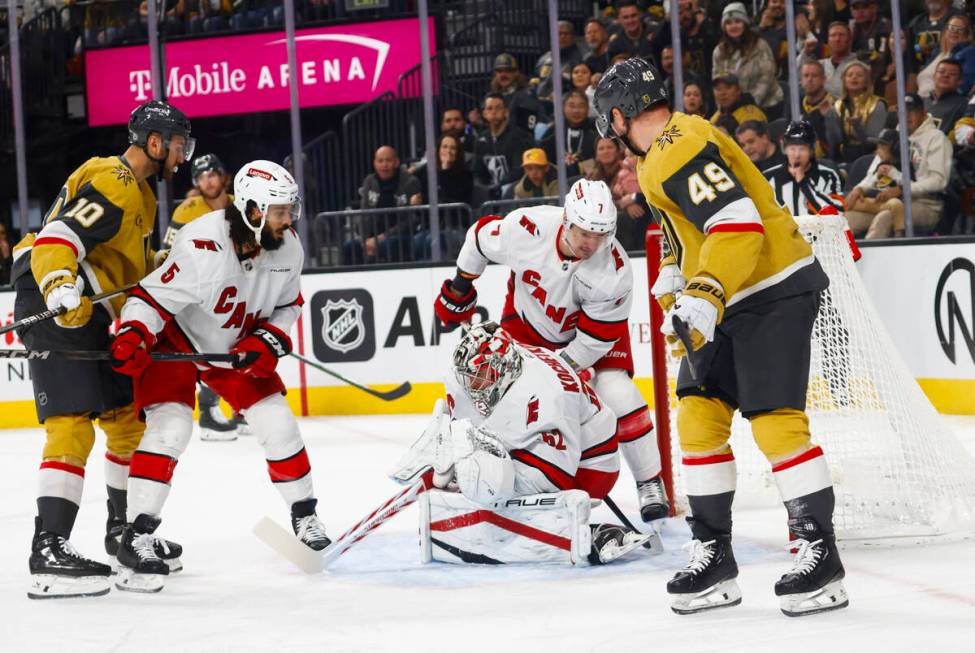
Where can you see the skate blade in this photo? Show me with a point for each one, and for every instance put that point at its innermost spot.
(288, 546)
(831, 596)
(631, 542)
(174, 564)
(127, 580)
(720, 595)
(210, 435)
(51, 586)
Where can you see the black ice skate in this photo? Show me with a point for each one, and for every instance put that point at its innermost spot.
(653, 499)
(815, 582)
(708, 580)
(307, 526)
(139, 568)
(57, 570)
(168, 552)
(610, 542)
(214, 426)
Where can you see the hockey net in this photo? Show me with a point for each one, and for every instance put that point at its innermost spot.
(898, 471)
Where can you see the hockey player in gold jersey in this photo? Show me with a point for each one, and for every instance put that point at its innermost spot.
(745, 284)
(95, 238)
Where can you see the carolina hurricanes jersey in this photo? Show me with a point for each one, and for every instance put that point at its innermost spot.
(211, 297)
(582, 306)
(549, 420)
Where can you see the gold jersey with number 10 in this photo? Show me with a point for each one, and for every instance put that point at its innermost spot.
(720, 217)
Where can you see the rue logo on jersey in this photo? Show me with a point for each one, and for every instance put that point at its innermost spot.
(954, 293)
(343, 325)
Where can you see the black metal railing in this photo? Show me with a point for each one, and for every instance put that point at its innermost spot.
(504, 207)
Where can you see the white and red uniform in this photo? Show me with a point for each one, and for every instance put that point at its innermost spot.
(203, 298)
(554, 427)
(563, 303)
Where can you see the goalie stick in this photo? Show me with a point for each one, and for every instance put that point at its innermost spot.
(31, 320)
(395, 393)
(238, 360)
(311, 561)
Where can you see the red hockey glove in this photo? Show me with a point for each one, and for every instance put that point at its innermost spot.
(261, 350)
(130, 348)
(451, 309)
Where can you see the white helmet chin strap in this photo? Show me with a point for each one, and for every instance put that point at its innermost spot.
(260, 227)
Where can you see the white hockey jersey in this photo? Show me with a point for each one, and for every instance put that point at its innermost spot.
(582, 306)
(549, 420)
(213, 298)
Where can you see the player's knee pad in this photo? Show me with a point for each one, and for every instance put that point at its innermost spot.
(484, 477)
(168, 429)
(703, 424)
(70, 438)
(275, 426)
(617, 390)
(781, 433)
(123, 430)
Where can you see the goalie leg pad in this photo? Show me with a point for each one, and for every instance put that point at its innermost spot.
(538, 528)
(168, 430)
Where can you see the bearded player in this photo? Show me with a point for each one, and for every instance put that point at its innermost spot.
(569, 292)
(745, 284)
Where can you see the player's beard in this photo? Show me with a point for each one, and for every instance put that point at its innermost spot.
(269, 241)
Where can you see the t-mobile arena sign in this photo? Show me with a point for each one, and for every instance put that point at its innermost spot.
(346, 64)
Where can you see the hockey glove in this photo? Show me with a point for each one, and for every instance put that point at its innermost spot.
(701, 307)
(130, 348)
(451, 309)
(261, 350)
(669, 282)
(65, 291)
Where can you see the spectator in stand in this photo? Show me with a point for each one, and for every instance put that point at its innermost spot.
(510, 84)
(931, 154)
(6, 258)
(631, 36)
(452, 122)
(212, 16)
(926, 29)
(597, 39)
(455, 184)
(820, 16)
(540, 179)
(744, 54)
(888, 82)
(622, 180)
(816, 102)
(754, 139)
(694, 100)
(771, 27)
(385, 238)
(582, 81)
(841, 54)
(856, 117)
(808, 47)
(802, 184)
(580, 135)
(696, 38)
(733, 103)
(570, 51)
(956, 43)
(873, 209)
(946, 103)
(870, 37)
(497, 152)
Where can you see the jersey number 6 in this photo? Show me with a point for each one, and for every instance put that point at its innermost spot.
(701, 190)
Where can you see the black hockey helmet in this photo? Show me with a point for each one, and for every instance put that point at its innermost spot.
(800, 132)
(206, 163)
(167, 121)
(631, 86)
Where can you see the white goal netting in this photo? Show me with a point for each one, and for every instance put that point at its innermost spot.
(898, 470)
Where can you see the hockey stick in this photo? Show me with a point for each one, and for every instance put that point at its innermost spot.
(653, 543)
(31, 320)
(395, 393)
(680, 328)
(238, 360)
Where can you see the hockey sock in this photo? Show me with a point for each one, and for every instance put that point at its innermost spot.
(710, 482)
(806, 488)
(638, 444)
(207, 397)
(150, 475)
(287, 461)
(116, 480)
(292, 476)
(59, 495)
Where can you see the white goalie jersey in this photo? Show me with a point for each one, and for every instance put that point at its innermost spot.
(550, 422)
(211, 297)
(582, 306)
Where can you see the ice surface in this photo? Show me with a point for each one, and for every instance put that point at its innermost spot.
(235, 594)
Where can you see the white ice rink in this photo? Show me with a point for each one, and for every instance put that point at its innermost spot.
(235, 594)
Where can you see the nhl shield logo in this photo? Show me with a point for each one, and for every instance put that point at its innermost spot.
(342, 326)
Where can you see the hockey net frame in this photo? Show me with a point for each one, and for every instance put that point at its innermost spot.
(898, 470)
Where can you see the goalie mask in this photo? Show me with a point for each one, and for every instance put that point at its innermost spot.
(266, 184)
(486, 363)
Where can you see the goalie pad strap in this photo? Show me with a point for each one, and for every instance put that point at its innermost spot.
(481, 516)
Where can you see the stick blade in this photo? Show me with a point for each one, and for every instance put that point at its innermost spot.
(284, 542)
(395, 393)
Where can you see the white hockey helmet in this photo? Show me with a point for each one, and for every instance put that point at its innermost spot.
(589, 205)
(266, 184)
(486, 363)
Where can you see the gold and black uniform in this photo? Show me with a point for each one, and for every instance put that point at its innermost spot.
(189, 210)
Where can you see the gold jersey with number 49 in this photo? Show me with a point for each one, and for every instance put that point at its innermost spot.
(720, 217)
(98, 227)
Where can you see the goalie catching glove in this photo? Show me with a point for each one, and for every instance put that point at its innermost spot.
(453, 307)
(261, 350)
(670, 282)
(64, 290)
(700, 307)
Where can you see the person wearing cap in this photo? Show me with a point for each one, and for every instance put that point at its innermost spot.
(540, 179)
(946, 103)
(732, 103)
(754, 139)
(210, 179)
(94, 240)
(497, 152)
(801, 183)
(870, 211)
(870, 36)
(856, 116)
(508, 81)
(743, 53)
(631, 36)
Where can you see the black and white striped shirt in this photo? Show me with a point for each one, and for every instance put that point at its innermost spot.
(820, 187)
